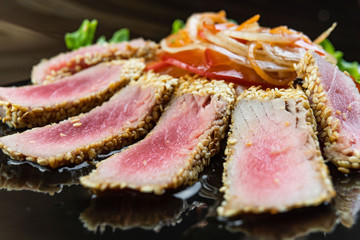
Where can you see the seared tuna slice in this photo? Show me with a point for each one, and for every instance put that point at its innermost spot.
(177, 149)
(31, 106)
(273, 159)
(127, 116)
(335, 101)
(66, 64)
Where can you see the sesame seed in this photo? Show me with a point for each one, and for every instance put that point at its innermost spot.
(232, 140)
(77, 124)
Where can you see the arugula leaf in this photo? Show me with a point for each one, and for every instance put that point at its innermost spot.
(120, 36)
(233, 21)
(353, 68)
(84, 36)
(101, 40)
(177, 25)
(329, 47)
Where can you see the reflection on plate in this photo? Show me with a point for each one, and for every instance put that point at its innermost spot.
(15, 175)
(287, 225)
(129, 209)
(347, 200)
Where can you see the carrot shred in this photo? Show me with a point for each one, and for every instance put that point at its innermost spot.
(248, 22)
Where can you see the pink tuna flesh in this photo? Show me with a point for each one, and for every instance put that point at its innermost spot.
(343, 96)
(157, 159)
(273, 164)
(122, 111)
(90, 81)
(61, 61)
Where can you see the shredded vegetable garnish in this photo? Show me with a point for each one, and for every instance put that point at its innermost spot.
(269, 52)
(353, 68)
(248, 22)
(257, 68)
(85, 35)
(325, 34)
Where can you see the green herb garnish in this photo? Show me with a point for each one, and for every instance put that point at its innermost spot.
(351, 67)
(101, 40)
(120, 36)
(84, 36)
(177, 25)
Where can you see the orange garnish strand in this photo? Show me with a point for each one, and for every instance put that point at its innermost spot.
(286, 30)
(220, 17)
(248, 22)
(251, 55)
(178, 39)
(281, 30)
(210, 27)
(306, 39)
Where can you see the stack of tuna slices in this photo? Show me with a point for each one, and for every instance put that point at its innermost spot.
(98, 99)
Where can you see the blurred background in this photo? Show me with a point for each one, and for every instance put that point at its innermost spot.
(34, 29)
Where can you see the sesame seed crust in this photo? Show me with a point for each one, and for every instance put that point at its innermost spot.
(17, 116)
(203, 87)
(164, 87)
(255, 93)
(81, 61)
(345, 158)
(208, 144)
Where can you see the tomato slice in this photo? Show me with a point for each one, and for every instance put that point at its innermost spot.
(157, 65)
(163, 67)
